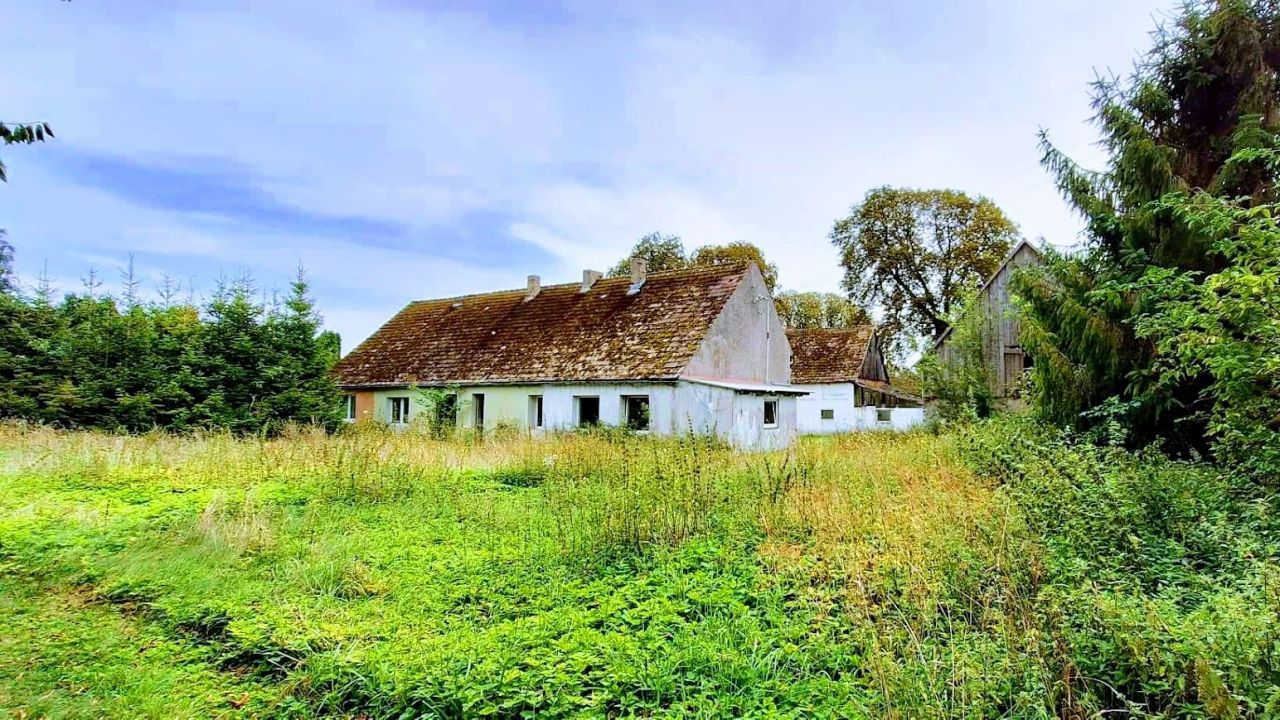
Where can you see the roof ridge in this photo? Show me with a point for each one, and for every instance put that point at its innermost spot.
(693, 270)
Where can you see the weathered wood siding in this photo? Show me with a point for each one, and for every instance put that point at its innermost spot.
(1003, 350)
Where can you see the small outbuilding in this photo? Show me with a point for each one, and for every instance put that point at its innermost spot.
(699, 350)
(848, 384)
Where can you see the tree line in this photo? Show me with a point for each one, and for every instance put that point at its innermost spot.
(237, 360)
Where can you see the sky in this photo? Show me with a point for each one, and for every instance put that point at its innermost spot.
(404, 150)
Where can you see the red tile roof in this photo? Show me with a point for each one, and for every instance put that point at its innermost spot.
(828, 355)
(559, 335)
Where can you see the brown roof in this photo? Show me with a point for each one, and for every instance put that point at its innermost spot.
(559, 335)
(828, 355)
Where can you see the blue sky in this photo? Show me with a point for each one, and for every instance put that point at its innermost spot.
(403, 150)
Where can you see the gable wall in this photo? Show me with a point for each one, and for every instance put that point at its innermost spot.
(747, 341)
(1001, 330)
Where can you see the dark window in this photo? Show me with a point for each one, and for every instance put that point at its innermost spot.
(478, 399)
(535, 411)
(828, 414)
(350, 402)
(445, 411)
(399, 407)
(770, 413)
(637, 411)
(588, 411)
(884, 415)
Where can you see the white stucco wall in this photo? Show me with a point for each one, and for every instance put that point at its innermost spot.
(747, 341)
(674, 408)
(839, 397)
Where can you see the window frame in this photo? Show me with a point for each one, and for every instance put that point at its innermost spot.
(884, 415)
(827, 413)
(396, 416)
(626, 412)
(577, 410)
(477, 411)
(349, 411)
(764, 416)
(535, 414)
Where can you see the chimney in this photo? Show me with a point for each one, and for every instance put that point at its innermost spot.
(589, 278)
(639, 269)
(535, 286)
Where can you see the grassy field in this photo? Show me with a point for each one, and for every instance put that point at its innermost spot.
(371, 574)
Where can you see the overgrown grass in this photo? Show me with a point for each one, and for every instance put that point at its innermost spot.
(384, 575)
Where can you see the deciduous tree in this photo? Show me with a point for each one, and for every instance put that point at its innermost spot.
(915, 253)
(806, 310)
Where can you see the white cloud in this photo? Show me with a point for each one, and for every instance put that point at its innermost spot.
(580, 134)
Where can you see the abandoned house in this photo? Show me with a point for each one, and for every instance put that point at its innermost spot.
(1002, 352)
(699, 350)
(847, 381)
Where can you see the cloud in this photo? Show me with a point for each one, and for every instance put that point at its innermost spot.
(402, 151)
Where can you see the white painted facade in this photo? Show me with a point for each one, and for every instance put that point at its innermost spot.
(675, 408)
(838, 401)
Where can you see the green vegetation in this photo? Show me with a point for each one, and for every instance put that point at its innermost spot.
(1184, 200)
(92, 360)
(999, 571)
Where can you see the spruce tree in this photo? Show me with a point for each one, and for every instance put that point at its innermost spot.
(1199, 113)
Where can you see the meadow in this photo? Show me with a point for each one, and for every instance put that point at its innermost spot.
(996, 571)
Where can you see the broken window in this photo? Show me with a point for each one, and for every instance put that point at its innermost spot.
(588, 410)
(636, 410)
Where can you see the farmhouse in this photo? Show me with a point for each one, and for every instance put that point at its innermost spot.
(847, 381)
(1002, 352)
(698, 350)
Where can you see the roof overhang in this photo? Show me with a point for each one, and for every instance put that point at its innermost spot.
(746, 386)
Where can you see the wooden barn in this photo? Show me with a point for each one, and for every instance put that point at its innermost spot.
(1003, 351)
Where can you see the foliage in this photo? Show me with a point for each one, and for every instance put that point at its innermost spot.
(1158, 577)
(963, 383)
(1222, 329)
(1199, 115)
(916, 253)
(660, 252)
(1006, 571)
(736, 252)
(119, 364)
(22, 134)
(666, 252)
(806, 310)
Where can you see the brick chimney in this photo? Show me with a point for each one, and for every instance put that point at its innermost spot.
(535, 286)
(589, 278)
(639, 269)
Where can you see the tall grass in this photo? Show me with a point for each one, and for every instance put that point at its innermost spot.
(874, 575)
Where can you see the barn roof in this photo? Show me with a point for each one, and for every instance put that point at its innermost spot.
(828, 355)
(561, 334)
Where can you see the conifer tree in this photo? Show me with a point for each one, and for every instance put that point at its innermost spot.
(1200, 113)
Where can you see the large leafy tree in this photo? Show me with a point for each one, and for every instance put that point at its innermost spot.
(663, 252)
(916, 253)
(660, 252)
(736, 252)
(1198, 117)
(806, 310)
